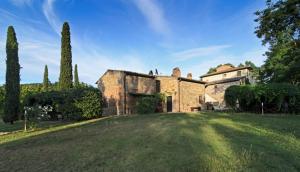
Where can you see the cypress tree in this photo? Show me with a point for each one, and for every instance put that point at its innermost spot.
(12, 85)
(46, 79)
(65, 77)
(76, 78)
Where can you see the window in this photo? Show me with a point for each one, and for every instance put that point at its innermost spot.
(239, 73)
(157, 86)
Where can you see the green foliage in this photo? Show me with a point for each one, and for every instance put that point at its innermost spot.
(214, 69)
(12, 86)
(279, 28)
(76, 78)
(89, 104)
(149, 104)
(72, 104)
(2, 95)
(46, 81)
(276, 97)
(66, 76)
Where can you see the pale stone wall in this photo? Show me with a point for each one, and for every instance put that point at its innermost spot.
(169, 86)
(111, 86)
(233, 74)
(217, 91)
(191, 95)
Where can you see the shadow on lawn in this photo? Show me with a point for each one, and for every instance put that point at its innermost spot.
(261, 152)
(162, 142)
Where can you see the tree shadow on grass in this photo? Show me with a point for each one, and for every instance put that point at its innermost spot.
(261, 152)
(160, 142)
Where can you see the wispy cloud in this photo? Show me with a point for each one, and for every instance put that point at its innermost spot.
(53, 20)
(199, 52)
(20, 3)
(154, 15)
(37, 47)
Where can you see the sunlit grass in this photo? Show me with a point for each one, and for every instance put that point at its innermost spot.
(159, 142)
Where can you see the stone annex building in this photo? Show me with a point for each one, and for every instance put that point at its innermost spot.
(120, 89)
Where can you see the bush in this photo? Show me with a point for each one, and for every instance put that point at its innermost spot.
(73, 104)
(89, 104)
(149, 104)
(276, 97)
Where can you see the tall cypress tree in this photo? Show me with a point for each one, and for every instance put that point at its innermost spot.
(46, 79)
(76, 78)
(66, 77)
(12, 85)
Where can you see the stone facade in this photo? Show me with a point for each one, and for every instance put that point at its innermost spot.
(120, 90)
(224, 77)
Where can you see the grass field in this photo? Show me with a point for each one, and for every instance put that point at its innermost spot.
(159, 142)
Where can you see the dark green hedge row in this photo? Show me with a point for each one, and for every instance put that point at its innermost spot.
(276, 98)
(73, 104)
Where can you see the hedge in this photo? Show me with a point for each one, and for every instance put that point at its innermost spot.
(73, 104)
(276, 98)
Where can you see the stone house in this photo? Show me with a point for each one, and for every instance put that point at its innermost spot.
(120, 90)
(224, 77)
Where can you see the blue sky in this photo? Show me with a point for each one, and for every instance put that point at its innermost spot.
(137, 35)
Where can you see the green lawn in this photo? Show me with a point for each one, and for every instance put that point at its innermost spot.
(159, 142)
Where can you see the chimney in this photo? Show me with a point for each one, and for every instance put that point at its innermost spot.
(176, 72)
(189, 76)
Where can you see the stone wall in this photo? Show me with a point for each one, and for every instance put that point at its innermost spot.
(169, 86)
(217, 91)
(191, 95)
(136, 85)
(111, 86)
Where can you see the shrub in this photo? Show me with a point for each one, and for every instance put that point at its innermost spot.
(149, 104)
(73, 104)
(89, 104)
(277, 97)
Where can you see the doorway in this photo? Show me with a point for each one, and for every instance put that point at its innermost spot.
(169, 104)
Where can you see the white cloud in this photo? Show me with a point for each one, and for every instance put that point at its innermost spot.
(199, 52)
(154, 15)
(53, 20)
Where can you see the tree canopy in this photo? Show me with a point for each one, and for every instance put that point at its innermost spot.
(12, 85)
(46, 79)
(279, 28)
(66, 76)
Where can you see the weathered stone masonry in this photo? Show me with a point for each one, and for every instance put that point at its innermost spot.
(120, 89)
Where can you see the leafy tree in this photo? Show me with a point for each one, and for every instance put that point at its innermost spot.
(66, 77)
(214, 69)
(241, 65)
(76, 78)
(12, 86)
(46, 79)
(279, 27)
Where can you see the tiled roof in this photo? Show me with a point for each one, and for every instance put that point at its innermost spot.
(190, 80)
(226, 80)
(225, 71)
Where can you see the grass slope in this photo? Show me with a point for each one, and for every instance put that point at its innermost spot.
(159, 142)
